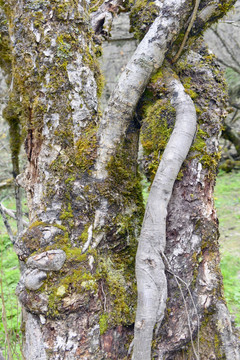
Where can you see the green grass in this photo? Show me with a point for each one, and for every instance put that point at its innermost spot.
(230, 267)
(9, 272)
(227, 202)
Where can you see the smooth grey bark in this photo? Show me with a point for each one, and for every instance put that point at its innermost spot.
(150, 269)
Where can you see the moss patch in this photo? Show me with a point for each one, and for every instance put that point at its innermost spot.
(156, 130)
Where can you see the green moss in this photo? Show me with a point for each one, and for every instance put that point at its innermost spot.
(103, 323)
(189, 88)
(31, 239)
(90, 58)
(199, 149)
(84, 235)
(77, 282)
(156, 132)
(117, 276)
(142, 15)
(225, 6)
(74, 254)
(12, 114)
(86, 148)
(67, 213)
(36, 224)
(64, 42)
(70, 179)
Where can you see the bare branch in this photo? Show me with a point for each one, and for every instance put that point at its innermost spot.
(232, 136)
(7, 225)
(229, 51)
(236, 106)
(147, 58)
(229, 65)
(194, 14)
(12, 214)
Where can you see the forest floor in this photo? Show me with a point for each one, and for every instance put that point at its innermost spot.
(227, 202)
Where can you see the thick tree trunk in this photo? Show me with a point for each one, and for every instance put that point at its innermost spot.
(77, 297)
(77, 287)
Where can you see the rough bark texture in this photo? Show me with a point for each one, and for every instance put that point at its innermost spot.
(93, 292)
(77, 256)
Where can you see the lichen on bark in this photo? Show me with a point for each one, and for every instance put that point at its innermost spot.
(83, 183)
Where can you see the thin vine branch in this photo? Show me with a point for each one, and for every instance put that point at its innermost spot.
(150, 268)
(229, 51)
(194, 14)
(13, 215)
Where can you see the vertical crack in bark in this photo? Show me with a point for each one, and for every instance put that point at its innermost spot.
(150, 269)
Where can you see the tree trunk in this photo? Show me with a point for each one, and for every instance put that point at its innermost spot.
(77, 297)
(77, 257)
(197, 323)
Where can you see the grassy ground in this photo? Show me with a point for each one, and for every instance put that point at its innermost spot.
(9, 279)
(227, 201)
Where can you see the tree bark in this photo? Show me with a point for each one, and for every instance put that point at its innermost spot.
(77, 257)
(85, 308)
(196, 320)
(150, 269)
